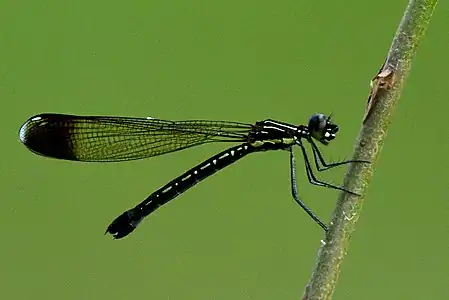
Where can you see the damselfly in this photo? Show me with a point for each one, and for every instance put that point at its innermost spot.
(108, 139)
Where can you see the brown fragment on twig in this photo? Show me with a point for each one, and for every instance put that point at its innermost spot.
(381, 82)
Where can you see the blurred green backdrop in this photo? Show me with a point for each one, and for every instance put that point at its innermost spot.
(238, 235)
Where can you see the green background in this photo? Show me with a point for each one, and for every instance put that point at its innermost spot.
(238, 235)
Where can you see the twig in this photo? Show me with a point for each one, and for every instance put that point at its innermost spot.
(385, 92)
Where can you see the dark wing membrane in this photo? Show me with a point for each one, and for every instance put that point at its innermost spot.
(94, 138)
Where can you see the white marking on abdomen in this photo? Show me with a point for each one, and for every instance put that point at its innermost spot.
(205, 166)
(167, 189)
(224, 155)
(186, 177)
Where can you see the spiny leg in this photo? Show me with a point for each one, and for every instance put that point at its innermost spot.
(311, 176)
(317, 156)
(295, 193)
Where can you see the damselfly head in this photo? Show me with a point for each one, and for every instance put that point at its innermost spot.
(322, 129)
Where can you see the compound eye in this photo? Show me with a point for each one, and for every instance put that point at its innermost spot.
(317, 122)
(321, 128)
(317, 126)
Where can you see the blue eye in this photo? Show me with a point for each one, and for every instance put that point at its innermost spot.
(317, 122)
(321, 128)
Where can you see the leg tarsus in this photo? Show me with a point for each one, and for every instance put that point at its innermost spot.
(311, 177)
(318, 158)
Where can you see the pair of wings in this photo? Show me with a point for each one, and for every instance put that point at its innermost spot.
(107, 139)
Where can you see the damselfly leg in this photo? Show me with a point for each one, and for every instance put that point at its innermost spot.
(311, 176)
(295, 192)
(318, 158)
